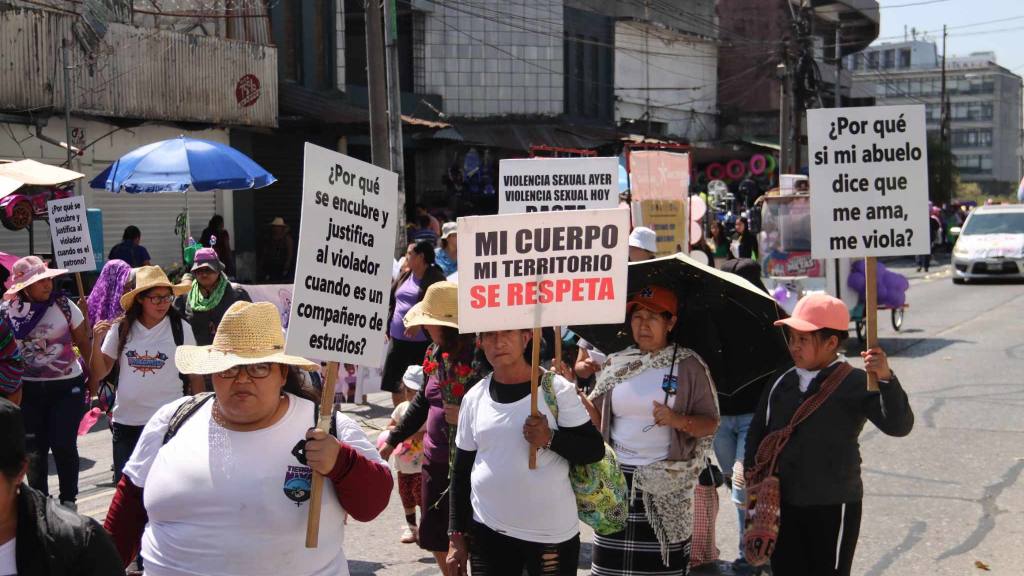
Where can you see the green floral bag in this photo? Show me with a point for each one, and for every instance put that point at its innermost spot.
(600, 487)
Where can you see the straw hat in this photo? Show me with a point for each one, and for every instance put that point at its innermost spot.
(439, 307)
(26, 272)
(147, 278)
(249, 333)
(279, 222)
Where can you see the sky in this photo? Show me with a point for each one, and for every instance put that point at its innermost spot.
(974, 26)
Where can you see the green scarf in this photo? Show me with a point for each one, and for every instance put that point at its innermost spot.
(199, 303)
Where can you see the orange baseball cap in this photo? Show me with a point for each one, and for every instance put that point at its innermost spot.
(818, 311)
(656, 299)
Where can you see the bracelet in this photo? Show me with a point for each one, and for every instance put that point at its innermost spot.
(550, 440)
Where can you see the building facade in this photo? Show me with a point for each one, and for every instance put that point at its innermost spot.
(136, 77)
(984, 104)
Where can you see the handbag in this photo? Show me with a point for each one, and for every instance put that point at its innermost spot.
(600, 487)
(764, 495)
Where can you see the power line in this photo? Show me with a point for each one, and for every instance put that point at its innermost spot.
(907, 5)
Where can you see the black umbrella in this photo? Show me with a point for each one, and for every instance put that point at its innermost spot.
(722, 317)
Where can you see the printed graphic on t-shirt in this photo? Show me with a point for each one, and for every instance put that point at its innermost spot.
(298, 482)
(47, 351)
(145, 363)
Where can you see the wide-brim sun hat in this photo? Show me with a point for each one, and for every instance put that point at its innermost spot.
(439, 307)
(26, 272)
(818, 311)
(279, 222)
(249, 333)
(147, 278)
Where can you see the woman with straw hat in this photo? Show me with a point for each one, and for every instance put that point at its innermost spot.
(278, 253)
(227, 475)
(48, 329)
(143, 343)
(448, 367)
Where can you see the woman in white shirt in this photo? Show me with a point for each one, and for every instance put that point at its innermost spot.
(49, 328)
(515, 518)
(656, 405)
(219, 484)
(143, 343)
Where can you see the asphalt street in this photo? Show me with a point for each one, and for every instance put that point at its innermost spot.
(946, 500)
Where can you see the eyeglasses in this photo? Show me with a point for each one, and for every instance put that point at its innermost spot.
(261, 370)
(160, 299)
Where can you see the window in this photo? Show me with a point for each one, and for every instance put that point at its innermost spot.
(889, 59)
(304, 34)
(905, 58)
(589, 86)
(972, 138)
(872, 60)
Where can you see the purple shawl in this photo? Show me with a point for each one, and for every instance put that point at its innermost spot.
(105, 299)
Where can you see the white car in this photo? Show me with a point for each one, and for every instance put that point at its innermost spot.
(990, 244)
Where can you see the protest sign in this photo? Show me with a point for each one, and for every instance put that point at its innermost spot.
(69, 229)
(869, 181)
(339, 303)
(551, 184)
(542, 269)
(659, 187)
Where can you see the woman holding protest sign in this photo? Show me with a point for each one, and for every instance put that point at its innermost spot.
(506, 518)
(656, 405)
(51, 331)
(227, 475)
(142, 343)
(408, 344)
(448, 366)
(802, 445)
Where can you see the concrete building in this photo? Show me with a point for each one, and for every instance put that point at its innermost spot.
(757, 36)
(137, 77)
(984, 104)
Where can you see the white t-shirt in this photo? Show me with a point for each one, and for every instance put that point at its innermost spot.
(509, 498)
(632, 412)
(8, 561)
(148, 378)
(226, 503)
(48, 350)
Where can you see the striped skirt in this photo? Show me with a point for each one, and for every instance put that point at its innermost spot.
(636, 550)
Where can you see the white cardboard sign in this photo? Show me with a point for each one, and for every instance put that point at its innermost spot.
(552, 184)
(869, 181)
(542, 269)
(69, 229)
(339, 307)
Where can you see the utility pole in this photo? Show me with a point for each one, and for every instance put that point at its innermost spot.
(66, 55)
(839, 65)
(782, 73)
(944, 136)
(395, 114)
(376, 77)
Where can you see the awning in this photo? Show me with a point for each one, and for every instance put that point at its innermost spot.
(37, 174)
(333, 107)
(520, 136)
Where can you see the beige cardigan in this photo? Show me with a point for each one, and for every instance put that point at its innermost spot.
(696, 396)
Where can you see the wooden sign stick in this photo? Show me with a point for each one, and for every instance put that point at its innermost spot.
(534, 377)
(871, 311)
(81, 296)
(557, 364)
(317, 488)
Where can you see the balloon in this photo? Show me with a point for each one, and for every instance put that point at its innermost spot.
(696, 233)
(700, 256)
(382, 439)
(697, 208)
